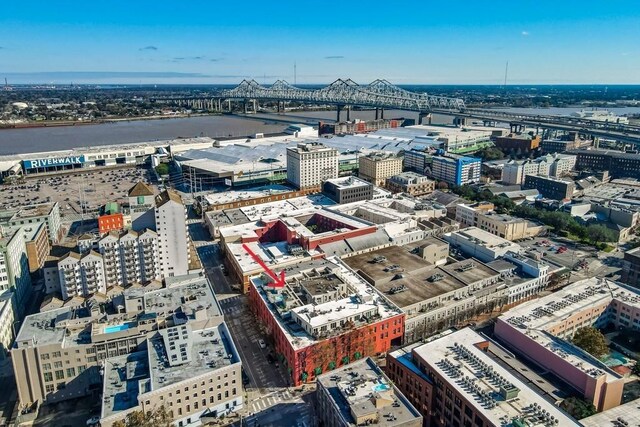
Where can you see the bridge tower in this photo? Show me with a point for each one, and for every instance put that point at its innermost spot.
(422, 115)
(459, 121)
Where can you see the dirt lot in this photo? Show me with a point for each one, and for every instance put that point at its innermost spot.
(88, 190)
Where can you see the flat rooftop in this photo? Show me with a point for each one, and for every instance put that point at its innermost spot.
(391, 261)
(190, 294)
(209, 349)
(361, 389)
(349, 182)
(406, 279)
(484, 238)
(536, 318)
(125, 378)
(490, 388)
(230, 196)
(32, 211)
(361, 297)
(286, 207)
(614, 417)
(45, 328)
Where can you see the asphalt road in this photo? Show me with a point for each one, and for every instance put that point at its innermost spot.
(268, 401)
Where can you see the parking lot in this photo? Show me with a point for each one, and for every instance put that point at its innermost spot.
(82, 191)
(582, 260)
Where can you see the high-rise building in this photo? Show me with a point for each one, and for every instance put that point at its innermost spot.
(48, 213)
(7, 319)
(457, 170)
(377, 167)
(14, 268)
(173, 236)
(130, 257)
(81, 274)
(310, 164)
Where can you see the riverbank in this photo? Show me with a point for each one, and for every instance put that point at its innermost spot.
(61, 123)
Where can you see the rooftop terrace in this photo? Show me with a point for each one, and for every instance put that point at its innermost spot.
(361, 390)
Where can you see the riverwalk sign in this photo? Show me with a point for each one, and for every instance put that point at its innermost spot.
(49, 162)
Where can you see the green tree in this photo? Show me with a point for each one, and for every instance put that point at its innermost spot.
(162, 169)
(591, 340)
(442, 185)
(490, 153)
(578, 408)
(159, 417)
(599, 233)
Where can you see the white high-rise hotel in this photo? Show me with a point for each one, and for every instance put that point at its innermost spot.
(310, 164)
(130, 257)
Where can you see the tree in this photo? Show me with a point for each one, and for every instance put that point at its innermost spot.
(577, 407)
(490, 153)
(591, 340)
(442, 185)
(162, 169)
(599, 233)
(159, 417)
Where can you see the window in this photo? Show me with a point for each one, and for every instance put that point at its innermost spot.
(48, 376)
(71, 372)
(60, 374)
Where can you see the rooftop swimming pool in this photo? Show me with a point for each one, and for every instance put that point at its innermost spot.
(380, 387)
(116, 328)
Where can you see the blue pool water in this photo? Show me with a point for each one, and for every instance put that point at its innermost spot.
(380, 387)
(116, 328)
(614, 359)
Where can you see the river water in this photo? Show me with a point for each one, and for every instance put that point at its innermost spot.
(14, 141)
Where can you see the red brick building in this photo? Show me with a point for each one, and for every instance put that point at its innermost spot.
(342, 327)
(111, 218)
(306, 231)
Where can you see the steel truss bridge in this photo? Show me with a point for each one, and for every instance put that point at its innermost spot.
(380, 94)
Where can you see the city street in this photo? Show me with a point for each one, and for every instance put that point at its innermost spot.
(268, 400)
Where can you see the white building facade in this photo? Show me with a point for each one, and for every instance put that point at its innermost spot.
(81, 275)
(310, 164)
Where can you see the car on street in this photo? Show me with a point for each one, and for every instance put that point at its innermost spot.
(93, 421)
(262, 344)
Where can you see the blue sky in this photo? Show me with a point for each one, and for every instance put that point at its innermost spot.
(464, 42)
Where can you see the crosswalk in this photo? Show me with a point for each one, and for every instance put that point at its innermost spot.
(269, 401)
(299, 414)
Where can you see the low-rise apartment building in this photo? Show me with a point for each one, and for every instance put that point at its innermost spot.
(411, 183)
(432, 297)
(324, 317)
(361, 394)
(154, 347)
(452, 380)
(551, 188)
(554, 165)
(540, 330)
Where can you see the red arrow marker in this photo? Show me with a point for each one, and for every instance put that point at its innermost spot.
(278, 282)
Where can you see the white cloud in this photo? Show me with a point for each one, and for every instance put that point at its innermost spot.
(525, 33)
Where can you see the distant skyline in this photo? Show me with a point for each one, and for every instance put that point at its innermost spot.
(427, 42)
